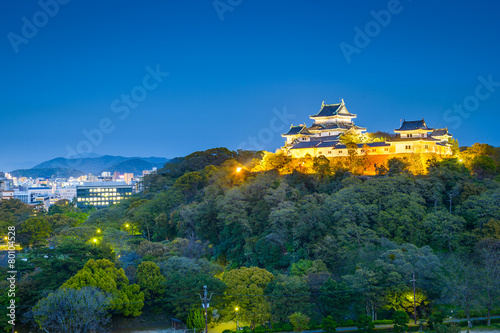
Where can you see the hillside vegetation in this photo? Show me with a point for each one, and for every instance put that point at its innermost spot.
(281, 240)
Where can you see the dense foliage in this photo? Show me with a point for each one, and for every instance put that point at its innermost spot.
(279, 240)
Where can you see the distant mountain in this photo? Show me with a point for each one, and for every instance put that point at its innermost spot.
(94, 165)
(134, 166)
(47, 172)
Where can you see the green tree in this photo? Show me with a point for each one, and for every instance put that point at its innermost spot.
(248, 281)
(196, 319)
(299, 321)
(401, 319)
(103, 274)
(365, 324)
(34, 231)
(150, 280)
(329, 325)
(186, 277)
(70, 311)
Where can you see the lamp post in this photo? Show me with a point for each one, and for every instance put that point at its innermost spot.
(237, 324)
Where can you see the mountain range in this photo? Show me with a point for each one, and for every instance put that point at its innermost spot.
(64, 167)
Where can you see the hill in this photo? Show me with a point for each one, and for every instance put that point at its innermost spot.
(95, 165)
(135, 166)
(47, 172)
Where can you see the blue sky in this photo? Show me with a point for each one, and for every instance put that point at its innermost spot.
(239, 72)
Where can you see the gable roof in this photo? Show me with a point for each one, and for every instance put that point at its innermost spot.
(440, 132)
(413, 125)
(332, 110)
(294, 130)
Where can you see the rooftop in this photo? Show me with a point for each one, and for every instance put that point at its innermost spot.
(413, 126)
(332, 110)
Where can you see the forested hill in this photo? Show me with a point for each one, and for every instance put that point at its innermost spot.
(312, 227)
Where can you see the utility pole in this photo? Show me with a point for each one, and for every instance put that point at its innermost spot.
(414, 301)
(205, 305)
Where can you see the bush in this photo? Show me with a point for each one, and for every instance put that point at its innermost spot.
(435, 318)
(349, 322)
(383, 322)
(287, 327)
(299, 321)
(226, 331)
(259, 329)
(277, 325)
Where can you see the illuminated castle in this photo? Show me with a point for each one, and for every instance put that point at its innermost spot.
(332, 120)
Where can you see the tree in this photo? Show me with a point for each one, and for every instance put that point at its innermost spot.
(72, 311)
(299, 321)
(365, 324)
(445, 228)
(35, 231)
(329, 325)
(283, 307)
(195, 319)
(248, 281)
(150, 280)
(334, 297)
(185, 277)
(400, 321)
(396, 165)
(489, 290)
(461, 283)
(104, 275)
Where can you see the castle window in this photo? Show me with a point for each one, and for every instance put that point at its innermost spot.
(407, 147)
(426, 147)
(329, 152)
(386, 149)
(374, 150)
(320, 152)
(410, 135)
(340, 151)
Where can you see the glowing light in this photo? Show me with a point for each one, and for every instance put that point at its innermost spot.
(127, 225)
(236, 309)
(95, 240)
(98, 231)
(5, 238)
(238, 169)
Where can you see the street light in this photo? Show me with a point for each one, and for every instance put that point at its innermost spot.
(237, 324)
(238, 169)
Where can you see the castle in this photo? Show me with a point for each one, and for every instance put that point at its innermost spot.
(332, 120)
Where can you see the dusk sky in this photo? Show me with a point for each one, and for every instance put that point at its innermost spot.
(239, 72)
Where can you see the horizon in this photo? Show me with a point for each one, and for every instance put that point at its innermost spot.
(136, 80)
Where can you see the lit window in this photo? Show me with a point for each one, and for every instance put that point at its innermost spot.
(407, 147)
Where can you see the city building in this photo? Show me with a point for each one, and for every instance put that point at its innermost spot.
(102, 194)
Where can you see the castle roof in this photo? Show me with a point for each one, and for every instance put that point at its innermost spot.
(295, 130)
(413, 126)
(332, 126)
(332, 110)
(440, 132)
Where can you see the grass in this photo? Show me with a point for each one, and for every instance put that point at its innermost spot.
(493, 328)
